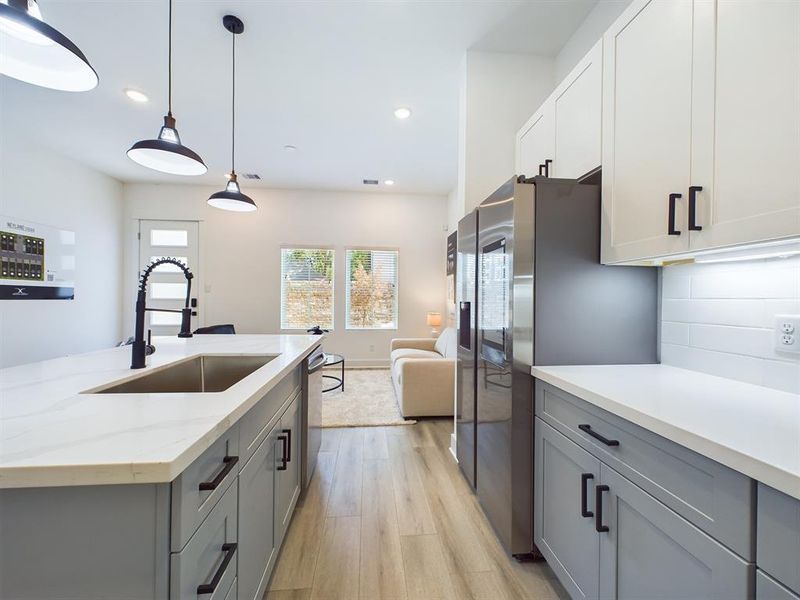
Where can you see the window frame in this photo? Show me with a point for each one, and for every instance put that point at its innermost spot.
(330, 249)
(347, 250)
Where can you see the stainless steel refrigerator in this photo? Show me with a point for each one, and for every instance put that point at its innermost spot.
(531, 291)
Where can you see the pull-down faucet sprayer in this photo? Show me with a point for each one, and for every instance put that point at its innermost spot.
(142, 348)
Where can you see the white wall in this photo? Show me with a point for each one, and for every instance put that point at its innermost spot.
(240, 254)
(592, 29)
(719, 318)
(499, 92)
(40, 186)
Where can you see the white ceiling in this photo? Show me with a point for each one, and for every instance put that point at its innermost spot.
(322, 76)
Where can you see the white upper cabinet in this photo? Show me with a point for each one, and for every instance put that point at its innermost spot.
(563, 136)
(702, 99)
(647, 130)
(746, 134)
(535, 141)
(577, 106)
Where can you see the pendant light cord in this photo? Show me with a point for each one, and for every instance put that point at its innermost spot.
(233, 103)
(169, 60)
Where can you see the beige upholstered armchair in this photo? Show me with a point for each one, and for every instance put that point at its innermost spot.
(423, 374)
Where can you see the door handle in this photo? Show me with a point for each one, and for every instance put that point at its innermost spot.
(284, 462)
(598, 521)
(671, 225)
(288, 433)
(541, 170)
(547, 164)
(693, 226)
(588, 429)
(209, 588)
(585, 512)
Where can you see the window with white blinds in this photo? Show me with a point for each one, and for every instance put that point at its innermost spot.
(371, 290)
(306, 288)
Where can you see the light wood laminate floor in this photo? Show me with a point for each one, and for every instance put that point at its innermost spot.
(388, 515)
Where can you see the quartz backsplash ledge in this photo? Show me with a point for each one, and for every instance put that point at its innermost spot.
(719, 318)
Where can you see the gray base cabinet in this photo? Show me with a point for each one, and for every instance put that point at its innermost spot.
(287, 487)
(769, 589)
(651, 552)
(563, 523)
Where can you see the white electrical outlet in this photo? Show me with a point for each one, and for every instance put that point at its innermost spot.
(787, 333)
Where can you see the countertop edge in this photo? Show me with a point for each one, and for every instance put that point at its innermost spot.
(766, 473)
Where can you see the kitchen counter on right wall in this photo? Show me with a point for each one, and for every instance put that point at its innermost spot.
(750, 428)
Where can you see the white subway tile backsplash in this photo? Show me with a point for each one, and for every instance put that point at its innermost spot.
(719, 319)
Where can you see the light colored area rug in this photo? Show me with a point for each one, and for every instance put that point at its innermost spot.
(368, 400)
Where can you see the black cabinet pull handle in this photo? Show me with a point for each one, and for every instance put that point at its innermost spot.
(284, 462)
(598, 521)
(585, 512)
(288, 433)
(547, 164)
(588, 429)
(230, 462)
(672, 200)
(210, 587)
(541, 170)
(693, 207)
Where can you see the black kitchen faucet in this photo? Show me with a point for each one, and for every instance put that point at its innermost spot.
(142, 348)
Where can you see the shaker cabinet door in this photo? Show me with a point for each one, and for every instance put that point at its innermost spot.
(651, 552)
(564, 527)
(257, 541)
(647, 129)
(535, 141)
(746, 133)
(287, 488)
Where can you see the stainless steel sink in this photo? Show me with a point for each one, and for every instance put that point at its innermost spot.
(205, 373)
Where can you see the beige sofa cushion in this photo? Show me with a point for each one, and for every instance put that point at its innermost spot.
(446, 343)
(412, 353)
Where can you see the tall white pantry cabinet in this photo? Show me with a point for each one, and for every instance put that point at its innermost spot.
(701, 126)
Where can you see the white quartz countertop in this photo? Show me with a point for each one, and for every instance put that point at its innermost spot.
(53, 434)
(749, 428)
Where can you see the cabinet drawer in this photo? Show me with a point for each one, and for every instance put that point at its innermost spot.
(210, 557)
(255, 425)
(779, 536)
(769, 589)
(716, 499)
(216, 469)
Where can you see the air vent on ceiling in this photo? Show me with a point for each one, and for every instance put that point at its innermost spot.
(251, 175)
(370, 182)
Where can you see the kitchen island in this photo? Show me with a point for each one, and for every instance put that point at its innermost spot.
(109, 492)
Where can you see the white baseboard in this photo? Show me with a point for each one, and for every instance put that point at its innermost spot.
(364, 363)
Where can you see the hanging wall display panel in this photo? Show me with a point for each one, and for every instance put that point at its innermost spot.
(37, 262)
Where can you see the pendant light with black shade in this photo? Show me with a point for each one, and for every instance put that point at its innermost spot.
(166, 153)
(232, 198)
(34, 52)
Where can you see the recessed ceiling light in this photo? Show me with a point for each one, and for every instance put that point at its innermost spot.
(402, 112)
(136, 95)
(389, 182)
(290, 148)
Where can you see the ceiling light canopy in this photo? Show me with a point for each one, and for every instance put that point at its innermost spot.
(166, 153)
(232, 198)
(34, 52)
(136, 95)
(402, 113)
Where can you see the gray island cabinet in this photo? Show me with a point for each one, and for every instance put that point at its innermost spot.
(212, 533)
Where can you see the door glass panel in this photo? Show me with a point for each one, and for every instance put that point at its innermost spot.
(168, 291)
(167, 267)
(169, 237)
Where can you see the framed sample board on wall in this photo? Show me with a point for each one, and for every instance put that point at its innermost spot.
(37, 262)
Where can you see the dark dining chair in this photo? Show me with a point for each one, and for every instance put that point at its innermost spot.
(227, 328)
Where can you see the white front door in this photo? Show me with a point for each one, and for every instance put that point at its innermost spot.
(167, 285)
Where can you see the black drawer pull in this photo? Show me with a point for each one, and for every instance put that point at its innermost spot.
(671, 225)
(288, 432)
(209, 588)
(693, 207)
(284, 461)
(588, 429)
(585, 512)
(230, 462)
(598, 521)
